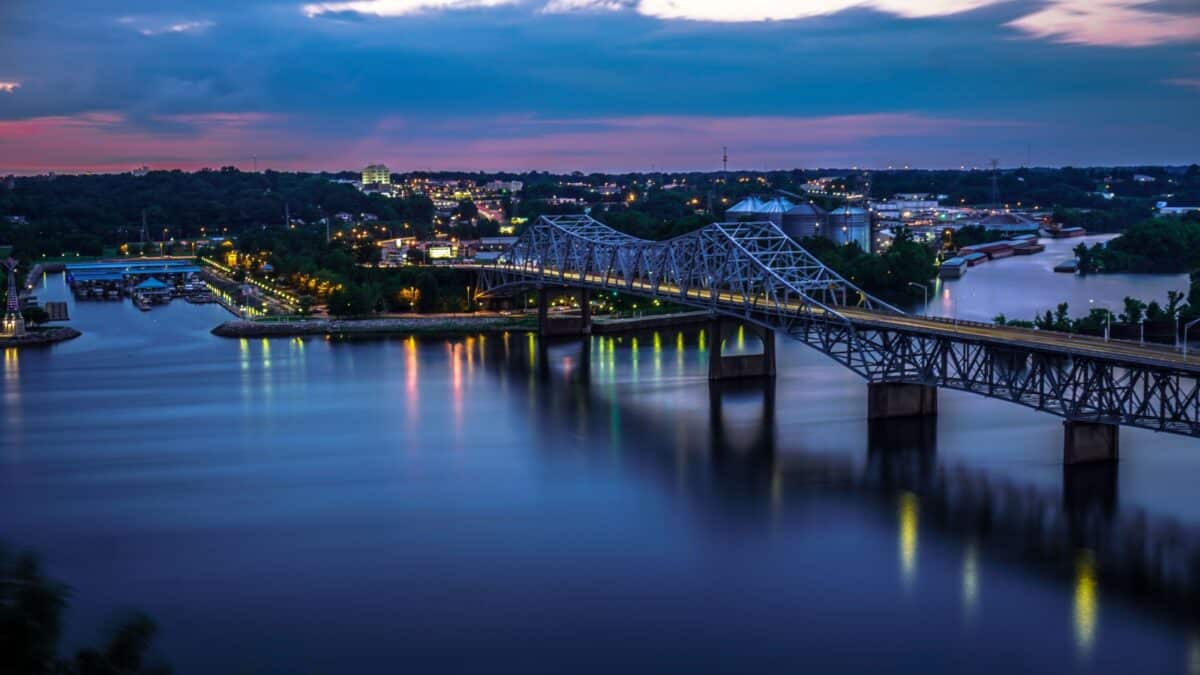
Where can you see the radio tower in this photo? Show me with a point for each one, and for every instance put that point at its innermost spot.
(724, 159)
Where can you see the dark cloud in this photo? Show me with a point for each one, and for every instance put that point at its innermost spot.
(163, 67)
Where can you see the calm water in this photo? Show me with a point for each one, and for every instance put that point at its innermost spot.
(489, 505)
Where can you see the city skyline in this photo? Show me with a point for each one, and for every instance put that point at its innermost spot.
(597, 85)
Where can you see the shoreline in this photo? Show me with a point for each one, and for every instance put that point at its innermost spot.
(436, 326)
(41, 337)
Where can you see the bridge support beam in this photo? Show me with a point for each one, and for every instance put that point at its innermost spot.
(721, 367)
(1090, 442)
(886, 400)
(564, 325)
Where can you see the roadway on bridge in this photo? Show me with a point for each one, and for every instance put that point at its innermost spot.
(1003, 336)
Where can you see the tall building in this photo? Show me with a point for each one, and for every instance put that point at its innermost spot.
(376, 174)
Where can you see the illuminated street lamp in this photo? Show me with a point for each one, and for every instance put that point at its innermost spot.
(924, 289)
(1107, 317)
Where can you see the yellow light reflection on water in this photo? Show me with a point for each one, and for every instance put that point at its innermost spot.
(679, 352)
(908, 507)
(1087, 603)
(741, 338)
(633, 357)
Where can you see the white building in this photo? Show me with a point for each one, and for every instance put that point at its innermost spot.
(376, 174)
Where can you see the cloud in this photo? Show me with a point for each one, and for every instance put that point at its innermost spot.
(393, 8)
(784, 10)
(1189, 82)
(151, 27)
(9, 87)
(1114, 23)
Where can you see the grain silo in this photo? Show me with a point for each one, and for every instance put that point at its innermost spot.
(850, 224)
(805, 220)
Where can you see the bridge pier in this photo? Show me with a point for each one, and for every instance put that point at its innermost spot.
(721, 367)
(564, 325)
(886, 400)
(1090, 442)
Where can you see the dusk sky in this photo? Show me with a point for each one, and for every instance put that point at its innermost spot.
(605, 85)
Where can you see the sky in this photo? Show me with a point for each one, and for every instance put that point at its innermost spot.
(596, 85)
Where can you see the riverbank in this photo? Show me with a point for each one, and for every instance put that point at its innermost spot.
(438, 326)
(40, 337)
(397, 327)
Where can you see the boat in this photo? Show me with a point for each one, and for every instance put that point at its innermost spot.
(1068, 266)
(141, 302)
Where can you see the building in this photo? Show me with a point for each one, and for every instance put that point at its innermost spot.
(850, 224)
(376, 174)
(513, 186)
(13, 324)
(1009, 222)
(805, 220)
(1165, 210)
(755, 209)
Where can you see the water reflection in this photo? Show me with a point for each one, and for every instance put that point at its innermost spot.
(907, 505)
(970, 578)
(1086, 603)
(741, 468)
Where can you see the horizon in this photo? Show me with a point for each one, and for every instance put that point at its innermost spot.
(612, 86)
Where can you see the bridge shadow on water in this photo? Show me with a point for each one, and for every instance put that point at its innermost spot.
(731, 462)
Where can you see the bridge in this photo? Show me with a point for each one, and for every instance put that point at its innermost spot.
(754, 274)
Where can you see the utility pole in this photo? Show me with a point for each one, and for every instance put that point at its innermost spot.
(143, 232)
(724, 160)
(287, 215)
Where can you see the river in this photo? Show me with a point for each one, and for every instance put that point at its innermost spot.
(484, 505)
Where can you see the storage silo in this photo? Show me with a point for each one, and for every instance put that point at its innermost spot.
(850, 224)
(805, 220)
(748, 208)
(753, 208)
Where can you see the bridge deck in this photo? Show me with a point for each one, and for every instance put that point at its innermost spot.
(1008, 337)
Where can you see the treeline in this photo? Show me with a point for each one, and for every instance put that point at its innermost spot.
(87, 214)
(1135, 319)
(888, 274)
(1159, 245)
(31, 621)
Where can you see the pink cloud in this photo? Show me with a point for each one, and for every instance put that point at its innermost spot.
(108, 142)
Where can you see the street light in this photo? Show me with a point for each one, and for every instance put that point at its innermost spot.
(1142, 330)
(925, 289)
(1107, 317)
(1186, 328)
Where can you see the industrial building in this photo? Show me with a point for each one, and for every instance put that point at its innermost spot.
(842, 226)
(849, 224)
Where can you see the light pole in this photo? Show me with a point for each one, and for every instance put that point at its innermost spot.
(1176, 329)
(924, 289)
(1186, 328)
(1142, 330)
(1107, 317)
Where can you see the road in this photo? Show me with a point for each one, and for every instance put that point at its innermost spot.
(1004, 336)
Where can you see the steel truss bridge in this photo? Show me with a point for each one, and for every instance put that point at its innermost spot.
(757, 274)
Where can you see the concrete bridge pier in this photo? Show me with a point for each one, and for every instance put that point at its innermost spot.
(722, 367)
(1086, 441)
(549, 326)
(887, 400)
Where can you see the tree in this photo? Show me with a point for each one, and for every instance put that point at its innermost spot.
(35, 315)
(31, 608)
(427, 294)
(1135, 310)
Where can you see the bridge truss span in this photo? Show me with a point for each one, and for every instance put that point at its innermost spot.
(756, 273)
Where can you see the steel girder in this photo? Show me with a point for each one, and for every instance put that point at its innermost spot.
(755, 272)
